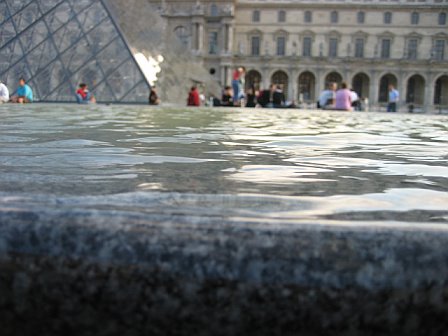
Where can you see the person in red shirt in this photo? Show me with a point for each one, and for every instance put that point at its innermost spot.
(193, 97)
(83, 96)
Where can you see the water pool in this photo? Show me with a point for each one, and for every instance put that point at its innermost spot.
(282, 165)
(156, 221)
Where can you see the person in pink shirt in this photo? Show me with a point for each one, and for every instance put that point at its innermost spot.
(343, 98)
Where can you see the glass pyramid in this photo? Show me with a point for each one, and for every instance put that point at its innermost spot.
(57, 44)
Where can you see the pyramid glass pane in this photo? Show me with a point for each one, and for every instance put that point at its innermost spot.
(57, 44)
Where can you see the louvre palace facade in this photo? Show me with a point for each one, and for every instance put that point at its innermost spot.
(305, 44)
(302, 44)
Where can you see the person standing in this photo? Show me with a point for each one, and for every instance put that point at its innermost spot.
(83, 96)
(193, 97)
(394, 97)
(4, 93)
(343, 100)
(153, 97)
(236, 84)
(24, 94)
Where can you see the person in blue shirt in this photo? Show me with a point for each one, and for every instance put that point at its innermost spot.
(394, 97)
(24, 94)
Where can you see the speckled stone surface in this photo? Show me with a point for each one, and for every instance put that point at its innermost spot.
(122, 273)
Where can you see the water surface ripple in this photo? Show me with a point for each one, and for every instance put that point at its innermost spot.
(270, 165)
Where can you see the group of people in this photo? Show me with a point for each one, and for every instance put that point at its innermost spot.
(345, 99)
(23, 94)
(342, 98)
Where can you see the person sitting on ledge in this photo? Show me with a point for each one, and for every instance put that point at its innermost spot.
(153, 97)
(343, 99)
(24, 94)
(4, 93)
(83, 96)
(193, 97)
(227, 98)
(326, 98)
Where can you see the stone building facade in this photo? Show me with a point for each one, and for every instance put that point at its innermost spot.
(305, 44)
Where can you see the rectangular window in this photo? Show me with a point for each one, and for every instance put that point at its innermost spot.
(308, 17)
(359, 48)
(388, 18)
(442, 19)
(439, 50)
(256, 16)
(361, 17)
(415, 18)
(307, 46)
(255, 46)
(213, 43)
(282, 16)
(385, 48)
(333, 48)
(281, 46)
(334, 17)
(412, 49)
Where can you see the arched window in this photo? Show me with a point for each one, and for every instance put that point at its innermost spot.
(256, 16)
(183, 35)
(388, 18)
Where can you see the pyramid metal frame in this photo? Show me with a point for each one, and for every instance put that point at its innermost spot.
(56, 44)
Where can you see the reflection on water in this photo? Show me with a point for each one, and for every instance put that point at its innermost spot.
(293, 165)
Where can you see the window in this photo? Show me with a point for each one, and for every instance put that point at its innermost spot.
(385, 48)
(308, 17)
(442, 19)
(359, 48)
(388, 18)
(334, 17)
(412, 49)
(213, 43)
(333, 48)
(439, 50)
(281, 46)
(307, 42)
(255, 46)
(282, 16)
(256, 16)
(361, 17)
(415, 18)
(183, 35)
(214, 10)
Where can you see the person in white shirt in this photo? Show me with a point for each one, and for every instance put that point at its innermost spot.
(4, 93)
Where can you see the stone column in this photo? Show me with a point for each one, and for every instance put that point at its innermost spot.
(402, 89)
(373, 90)
(230, 39)
(429, 94)
(266, 79)
(318, 84)
(200, 37)
(294, 87)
